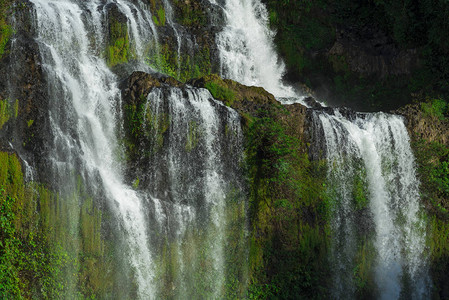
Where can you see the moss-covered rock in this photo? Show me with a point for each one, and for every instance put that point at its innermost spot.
(118, 49)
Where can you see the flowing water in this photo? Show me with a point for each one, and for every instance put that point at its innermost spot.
(377, 224)
(85, 115)
(184, 226)
(246, 48)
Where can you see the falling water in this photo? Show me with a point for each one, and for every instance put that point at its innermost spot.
(369, 154)
(84, 104)
(190, 205)
(191, 179)
(246, 48)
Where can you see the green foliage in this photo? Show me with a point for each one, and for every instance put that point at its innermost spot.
(159, 19)
(165, 61)
(433, 160)
(360, 191)
(193, 136)
(145, 130)
(288, 213)
(180, 66)
(305, 34)
(136, 183)
(5, 34)
(221, 92)
(433, 167)
(439, 239)
(437, 108)
(39, 257)
(6, 30)
(363, 272)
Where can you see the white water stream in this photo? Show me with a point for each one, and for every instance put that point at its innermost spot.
(375, 148)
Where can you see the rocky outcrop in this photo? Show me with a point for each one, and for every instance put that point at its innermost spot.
(422, 125)
(140, 84)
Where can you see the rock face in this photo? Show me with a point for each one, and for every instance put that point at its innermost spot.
(371, 52)
(23, 86)
(425, 126)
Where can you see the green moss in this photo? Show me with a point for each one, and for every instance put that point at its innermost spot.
(437, 108)
(439, 239)
(42, 257)
(136, 183)
(360, 190)
(118, 50)
(4, 112)
(156, 126)
(6, 30)
(165, 61)
(290, 233)
(16, 108)
(183, 67)
(5, 34)
(433, 166)
(159, 19)
(30, 122)
(189, 15)
(221, 92)
(363, 271)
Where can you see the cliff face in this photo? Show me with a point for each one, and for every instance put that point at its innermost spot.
(424, 123)
(287, 242)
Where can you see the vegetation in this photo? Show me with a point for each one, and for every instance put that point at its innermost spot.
(306, 34)
(433, 168)
(4, 112)
(189, 13)
(288, 208)
(159, 18)
(221, 92)
(182, 66)
(39, 258)
(118, 50)
(5, 28)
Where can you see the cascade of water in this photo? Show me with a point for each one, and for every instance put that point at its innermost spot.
(246, 48)
(371, 155)
(84, 101)
(185, 206)
(193, 200)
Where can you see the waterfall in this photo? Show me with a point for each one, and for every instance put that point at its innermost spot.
(376, 212)
(191, 205)
(246, 48)
(194, 202)
(85, 101)
(179, 214)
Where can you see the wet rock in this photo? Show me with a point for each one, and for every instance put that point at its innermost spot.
(312, 103)
(140, 84)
